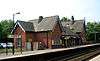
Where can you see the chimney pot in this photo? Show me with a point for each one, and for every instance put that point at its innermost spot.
(40, 19)
(72, 19)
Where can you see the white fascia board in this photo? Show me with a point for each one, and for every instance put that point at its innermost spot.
(14, 28)
(21, 26)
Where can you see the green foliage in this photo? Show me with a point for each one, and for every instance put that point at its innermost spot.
(92, 28)
(97, 27)
(6, 26)
(65, 19)
(0, 32)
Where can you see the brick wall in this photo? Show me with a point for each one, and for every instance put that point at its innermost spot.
(17, 32)
(56, 33)
(49, 36)
(43, 37)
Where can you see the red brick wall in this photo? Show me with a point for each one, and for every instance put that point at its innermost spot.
(82, 34)
(48, 37)
(19, 31)
(23, 39)
(56, 33)
(43, 37)
(30, 37)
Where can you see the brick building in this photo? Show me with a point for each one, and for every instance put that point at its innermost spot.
(75, 29)
(44, 33)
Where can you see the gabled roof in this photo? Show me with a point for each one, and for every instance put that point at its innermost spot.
(47, 23)
(77, 26)
(25, 26)
(67, 31)
(35, 23)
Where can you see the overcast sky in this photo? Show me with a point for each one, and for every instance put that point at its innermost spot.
(31, 9)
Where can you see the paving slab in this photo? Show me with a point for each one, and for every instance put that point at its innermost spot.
(97, 58)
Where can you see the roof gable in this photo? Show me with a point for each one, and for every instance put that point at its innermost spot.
(77, 26)
(67, 31)
(25, 26)
(47, 23)
(35, 23)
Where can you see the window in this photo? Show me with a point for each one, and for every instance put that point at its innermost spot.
(19, 42)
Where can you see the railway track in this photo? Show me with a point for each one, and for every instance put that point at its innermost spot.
(78, 55)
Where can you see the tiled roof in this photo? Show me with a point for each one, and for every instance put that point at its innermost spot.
(77, 26)
(27, 26)
(67, 31)
(35, 23)
(47, 23)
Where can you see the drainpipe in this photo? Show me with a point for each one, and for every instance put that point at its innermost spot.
(21, 44)
(47, 40)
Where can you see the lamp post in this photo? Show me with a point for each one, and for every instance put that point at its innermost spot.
(14, 16)
(13, 27)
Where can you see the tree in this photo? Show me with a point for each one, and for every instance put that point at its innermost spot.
(7, 26)
(92, 28)
(65, 19)
(0, 32)
(97, 27)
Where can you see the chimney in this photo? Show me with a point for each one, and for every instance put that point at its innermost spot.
(72, 18)
(40, 19)
(56, 17)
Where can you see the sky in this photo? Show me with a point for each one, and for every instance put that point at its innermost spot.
(32, 9)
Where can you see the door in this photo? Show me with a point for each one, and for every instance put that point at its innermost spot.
(28, 45)
(35, 45)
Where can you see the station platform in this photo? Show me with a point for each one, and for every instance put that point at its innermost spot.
(40, 52)
(97, 58)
